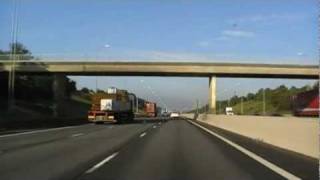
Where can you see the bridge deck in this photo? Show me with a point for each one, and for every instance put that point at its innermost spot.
(164, 69)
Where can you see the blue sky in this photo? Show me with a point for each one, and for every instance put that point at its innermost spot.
(249, 31)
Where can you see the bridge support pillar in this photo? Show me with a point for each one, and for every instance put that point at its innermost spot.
(212, 94)
(59, 94)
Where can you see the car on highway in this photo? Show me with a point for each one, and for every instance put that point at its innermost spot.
(165, 114)
(229, 111)
(174, 114)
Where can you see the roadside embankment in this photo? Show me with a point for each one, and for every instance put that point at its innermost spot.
(11, 126)
(30, 115)
(298, 134)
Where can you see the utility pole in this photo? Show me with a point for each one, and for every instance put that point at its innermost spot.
(264, 101)
(137, 104)
(197, 106)
(241, 105)
(13, 55)
(96, 84)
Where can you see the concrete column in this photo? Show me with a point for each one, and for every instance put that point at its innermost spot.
(212, 94)
(59, 93)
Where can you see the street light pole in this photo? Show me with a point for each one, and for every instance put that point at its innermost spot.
(96, 84)
(241, 105)
(197, 106)
(264, 101)
(13, 56)
(137, 105)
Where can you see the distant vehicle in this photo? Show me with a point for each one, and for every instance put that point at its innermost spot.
(306, 103)
(165, 114)
(174, 114)
(229, 111)
(150, 109)
(112, 106)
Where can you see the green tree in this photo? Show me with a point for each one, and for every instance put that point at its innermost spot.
(29, 87)
(85, 90)
(316, 85)
(71, 87)
(21, 51)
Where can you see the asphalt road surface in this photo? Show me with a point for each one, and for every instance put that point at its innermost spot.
(156, 150)
(63, 153)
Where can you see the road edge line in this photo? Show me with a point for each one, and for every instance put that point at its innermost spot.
(252, 155)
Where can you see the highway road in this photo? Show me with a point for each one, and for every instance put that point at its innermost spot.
(175, 149)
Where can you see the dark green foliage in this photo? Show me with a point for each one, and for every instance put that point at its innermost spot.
(277, 101)
(71, 87)
(100, 91)
(85, 90)
(21, 51)
(28, 87)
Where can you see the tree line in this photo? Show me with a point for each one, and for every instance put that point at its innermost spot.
(277, 101)
(28, 87)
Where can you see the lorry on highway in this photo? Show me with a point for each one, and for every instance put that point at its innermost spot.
(229, 111)
(115, 105)
(150, 109)
(306, 103)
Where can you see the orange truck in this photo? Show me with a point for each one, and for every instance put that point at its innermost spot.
(150, 109)
(115, 105)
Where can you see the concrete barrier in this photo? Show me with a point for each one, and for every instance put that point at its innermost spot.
(188, 115)
(293, 133)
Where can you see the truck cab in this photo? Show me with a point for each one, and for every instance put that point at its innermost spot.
(229, 111)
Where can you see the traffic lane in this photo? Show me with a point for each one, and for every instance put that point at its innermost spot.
(13, 142)
(178, 150)
(151, 119)
(300, 165)
(68, 157)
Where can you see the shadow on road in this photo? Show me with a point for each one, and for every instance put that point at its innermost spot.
(139, 121)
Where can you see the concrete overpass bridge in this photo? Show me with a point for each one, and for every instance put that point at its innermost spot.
(182, 69)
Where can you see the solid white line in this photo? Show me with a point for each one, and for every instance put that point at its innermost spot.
(39, 131)
(264, 162)
(76, 135)
(101, 163)
(143, 134)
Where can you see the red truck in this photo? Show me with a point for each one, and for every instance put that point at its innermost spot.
(306, 103)
(150, 109)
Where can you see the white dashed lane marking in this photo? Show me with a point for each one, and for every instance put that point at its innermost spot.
(76, 135)
(143, 134)
(95, 167)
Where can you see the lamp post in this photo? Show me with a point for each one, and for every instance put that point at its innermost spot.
(13, 55)
(264, 101)
(241, 105)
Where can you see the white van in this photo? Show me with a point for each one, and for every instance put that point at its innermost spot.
(229, 111)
